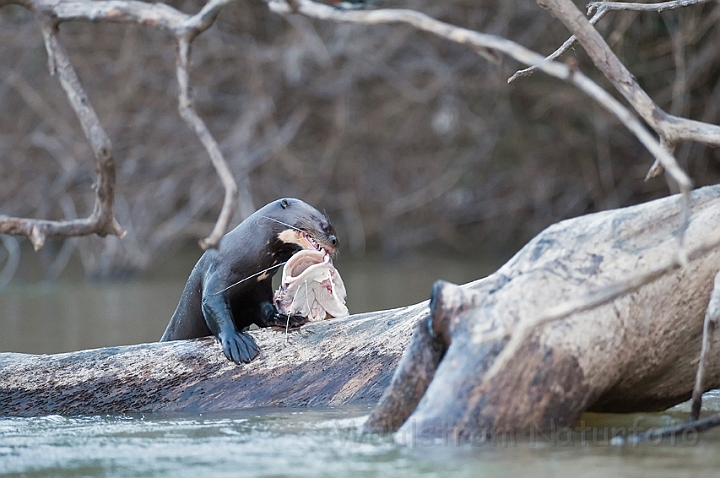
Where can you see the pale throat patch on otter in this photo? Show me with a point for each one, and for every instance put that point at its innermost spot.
(294, 236)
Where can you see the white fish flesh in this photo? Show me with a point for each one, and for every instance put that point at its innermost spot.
(311, 287)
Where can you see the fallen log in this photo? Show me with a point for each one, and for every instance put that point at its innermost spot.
(593, 314)
(632, 351)
(333, 362)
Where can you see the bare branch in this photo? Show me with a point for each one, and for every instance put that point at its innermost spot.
(563, 48)
(482, 42)
(185, 28)
(204, 19)
(102, 220)
(672, 128)
(669, 130)
(194, 121)
(642, 7)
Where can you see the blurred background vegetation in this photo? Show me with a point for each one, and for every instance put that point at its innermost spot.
(407, 141)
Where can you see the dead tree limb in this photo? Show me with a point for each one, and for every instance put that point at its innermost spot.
(635, 350)
(489, 45)
(529, 348)
(102, 220)
(338, 361)
(670, 128)
(563, 48)
(185, 28)
(642, 7)
(598, 11)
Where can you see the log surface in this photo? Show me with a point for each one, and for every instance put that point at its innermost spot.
(637, 352)
(334, 362)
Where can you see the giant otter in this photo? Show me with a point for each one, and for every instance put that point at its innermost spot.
(231, 287)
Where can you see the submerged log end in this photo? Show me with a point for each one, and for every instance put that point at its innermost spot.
(412, 377)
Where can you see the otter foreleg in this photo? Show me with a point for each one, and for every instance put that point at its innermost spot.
(237, 346)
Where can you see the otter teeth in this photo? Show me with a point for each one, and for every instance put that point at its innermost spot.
(314, 243)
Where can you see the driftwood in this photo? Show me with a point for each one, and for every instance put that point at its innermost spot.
(333, 362)
(529, 345)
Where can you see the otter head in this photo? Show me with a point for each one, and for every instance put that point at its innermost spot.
(297, 226)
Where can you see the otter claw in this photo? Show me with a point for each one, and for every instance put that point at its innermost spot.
(273, 318)
(296, 321)
(288, 321)
(240, 348)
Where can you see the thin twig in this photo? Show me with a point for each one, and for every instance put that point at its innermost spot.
(642, 7)
(50, 13)
(482, 42)
(563, 48)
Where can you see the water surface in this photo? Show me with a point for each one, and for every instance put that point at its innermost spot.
(324, 442)
(53, 317)
(38, 317)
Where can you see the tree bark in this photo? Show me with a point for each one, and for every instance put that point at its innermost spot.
(333, 362)
(593, 314)
(529, 348)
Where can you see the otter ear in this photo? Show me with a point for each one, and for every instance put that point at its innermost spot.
(284, 204)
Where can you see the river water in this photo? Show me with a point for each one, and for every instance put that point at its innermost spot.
(318, 443)
(37, 317)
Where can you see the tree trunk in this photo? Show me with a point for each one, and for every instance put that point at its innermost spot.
(528, 348)
(496, 353)
(333, 362)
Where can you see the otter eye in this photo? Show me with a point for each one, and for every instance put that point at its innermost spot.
(284, 204)
(333, 240)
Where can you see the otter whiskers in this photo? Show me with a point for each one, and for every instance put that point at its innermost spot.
(250, 277)
(283, 223)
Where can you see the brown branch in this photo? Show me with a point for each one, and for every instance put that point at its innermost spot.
(670, 128)
(184, 28)
(486, 44)
(642, 7)
(102, 220)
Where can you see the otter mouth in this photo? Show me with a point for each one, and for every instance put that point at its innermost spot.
(305, 241)
(309, 243)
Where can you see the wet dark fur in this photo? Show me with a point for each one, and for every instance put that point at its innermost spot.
(206, 308)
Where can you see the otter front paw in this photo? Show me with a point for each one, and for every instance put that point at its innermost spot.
(287, 321)
(296, 321)
(273, 318)
(239, 347)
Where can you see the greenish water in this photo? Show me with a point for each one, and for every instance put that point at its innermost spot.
(73, 315)
(319, 443)
(54, 317)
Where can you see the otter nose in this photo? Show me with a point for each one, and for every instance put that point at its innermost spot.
(333, 240)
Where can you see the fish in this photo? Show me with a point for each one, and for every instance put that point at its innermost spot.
(311, 287)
